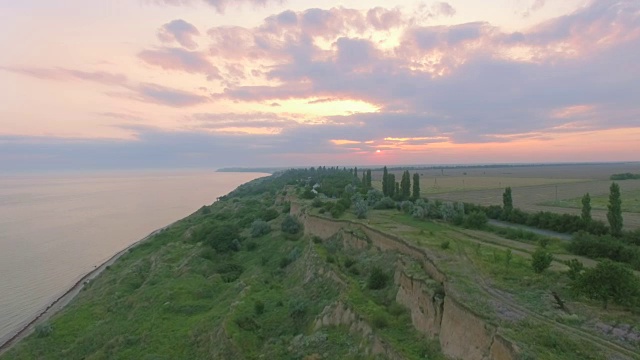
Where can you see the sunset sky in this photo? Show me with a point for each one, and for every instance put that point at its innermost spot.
(211, 83)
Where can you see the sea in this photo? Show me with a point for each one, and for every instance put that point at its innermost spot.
(55, 228)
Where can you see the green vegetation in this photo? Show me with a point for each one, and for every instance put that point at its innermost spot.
(614, 213)
(609, 282)
(625, 176)
(243, 279)
(630, 204)
(541, 260)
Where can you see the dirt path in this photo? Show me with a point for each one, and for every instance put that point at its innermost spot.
(542, 232)
(525, 250)
(515, 307)
(59, 303)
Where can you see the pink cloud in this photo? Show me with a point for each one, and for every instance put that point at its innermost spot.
(179, 31)
(181, 60)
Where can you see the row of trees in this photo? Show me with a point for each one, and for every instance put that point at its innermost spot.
(562, 222)
(402, 190)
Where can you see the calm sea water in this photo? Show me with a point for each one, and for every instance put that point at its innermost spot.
(56, 228)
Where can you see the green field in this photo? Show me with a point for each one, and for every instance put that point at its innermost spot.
(630, 202)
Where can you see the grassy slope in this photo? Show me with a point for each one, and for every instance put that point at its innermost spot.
(171, 298)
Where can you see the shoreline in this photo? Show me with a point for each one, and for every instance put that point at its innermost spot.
(63, 300)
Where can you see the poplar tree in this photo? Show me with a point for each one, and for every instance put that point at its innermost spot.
(507, 201)
(385, 181)
(405, 185)
(614, 215)
(586, 208)
(416, 186)
(391, 185)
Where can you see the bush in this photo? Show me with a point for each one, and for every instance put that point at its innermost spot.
(361, 208)
(291, 225)
(605, 246)
(385, 203)
(477, 219)
(609, 281)
(43, 330)
(406, 206)
(541, 260)
(337, 211)
(221, 237)
(377, 279)
(349, 262)
(379, 321)
(269, 214)
(259, 228)
(445, 244)
(258, 307)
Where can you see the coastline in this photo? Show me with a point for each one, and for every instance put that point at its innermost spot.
(63, 300)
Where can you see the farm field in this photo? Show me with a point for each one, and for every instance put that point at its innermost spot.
(536, 188)
(631, 202)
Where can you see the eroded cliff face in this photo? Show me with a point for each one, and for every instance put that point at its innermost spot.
(424, 303)
(339, 314)
(462, 333)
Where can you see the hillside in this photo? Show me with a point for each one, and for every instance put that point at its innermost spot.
(269, 272)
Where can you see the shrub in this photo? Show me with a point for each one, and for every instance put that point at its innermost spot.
(349, 262)
(252, 246)
(476, 220)
(361, 208)
(379, 321)
(541, 260)
(317, 203)
(269, 214)
(337, 210)
(221, 237)
(44, 330)
(385, 203)
(259, 228)
(445, 244)
(291, 225)
(609, 281)
(377, 279)
(258, 307)
(406, 206)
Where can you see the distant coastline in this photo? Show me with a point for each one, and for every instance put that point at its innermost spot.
(272, 170)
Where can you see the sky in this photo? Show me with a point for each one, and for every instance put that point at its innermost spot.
(88, 84)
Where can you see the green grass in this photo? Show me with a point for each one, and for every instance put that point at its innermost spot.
(630, 202)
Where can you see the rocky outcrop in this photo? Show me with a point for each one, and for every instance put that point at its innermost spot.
(462, 333)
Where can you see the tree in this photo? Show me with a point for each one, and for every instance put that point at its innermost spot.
(391, 185)
(614, 215)
(609, 281)
(259, 228)
(507, 201)
(361, 208)
(586, 208)
(291, 225)
(385, 181)
(405, 185)
(541, 260)
(368, 179)
(396, 191)
(476, 220)
(416, 186)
